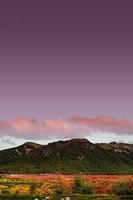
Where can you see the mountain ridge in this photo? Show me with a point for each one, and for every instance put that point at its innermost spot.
(69, 156)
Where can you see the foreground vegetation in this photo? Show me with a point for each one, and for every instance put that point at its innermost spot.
(58, 187)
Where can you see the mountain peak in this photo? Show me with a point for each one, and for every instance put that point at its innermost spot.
(69, 156)
(32, 144)
(79, 140)
(113, 143)
(73, 142)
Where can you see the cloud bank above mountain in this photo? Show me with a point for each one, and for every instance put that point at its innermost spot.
(26, 128)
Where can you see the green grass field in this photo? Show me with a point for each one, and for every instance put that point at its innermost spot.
(77, 197)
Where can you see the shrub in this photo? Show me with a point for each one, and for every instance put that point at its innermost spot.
(82, 187)
(123, 189)
(59, 189)
(32, 188)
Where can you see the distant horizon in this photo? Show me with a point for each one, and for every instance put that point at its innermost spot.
(100, 129)
(64, 140)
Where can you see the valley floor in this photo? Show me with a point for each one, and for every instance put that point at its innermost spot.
(58, 186)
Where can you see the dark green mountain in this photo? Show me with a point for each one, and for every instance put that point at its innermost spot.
(72, 156)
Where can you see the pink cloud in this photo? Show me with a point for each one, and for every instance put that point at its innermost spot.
(66, 128)
(105, 124)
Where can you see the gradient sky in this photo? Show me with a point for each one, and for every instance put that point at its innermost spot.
(60, 59)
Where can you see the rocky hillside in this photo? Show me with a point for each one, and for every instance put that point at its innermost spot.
(18, 152)
(71, 156)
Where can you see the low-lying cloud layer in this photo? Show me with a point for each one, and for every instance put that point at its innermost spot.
(63, 129)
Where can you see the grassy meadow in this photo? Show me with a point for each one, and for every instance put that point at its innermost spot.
(58, 187)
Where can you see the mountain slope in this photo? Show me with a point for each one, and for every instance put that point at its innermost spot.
(21, 151)
(71, 156)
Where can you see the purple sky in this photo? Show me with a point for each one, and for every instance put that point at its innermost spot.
(60, 59)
